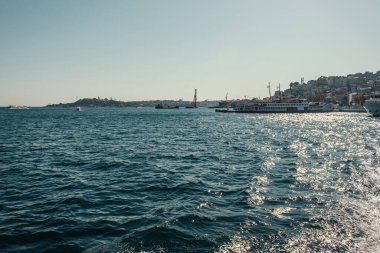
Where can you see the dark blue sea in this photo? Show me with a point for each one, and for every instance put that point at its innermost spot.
(188, 180)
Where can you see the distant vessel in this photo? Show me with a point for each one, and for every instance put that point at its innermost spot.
(280, 105)
(163, 106)
(78, 108)
(372, 105)
(18, 107)
(293, 106)
(194, 103)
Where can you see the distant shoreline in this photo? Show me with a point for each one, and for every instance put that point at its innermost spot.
(98, 102)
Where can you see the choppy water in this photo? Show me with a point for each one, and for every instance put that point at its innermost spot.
(146, 180)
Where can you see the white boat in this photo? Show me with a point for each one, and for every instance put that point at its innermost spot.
(261, 106)
(17, 107)
(372, 105)
(78, 108)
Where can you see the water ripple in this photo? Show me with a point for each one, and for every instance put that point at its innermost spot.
(143, 180)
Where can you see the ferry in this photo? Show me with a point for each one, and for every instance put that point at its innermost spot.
(279, 105)
(372, 105)
(294, 106)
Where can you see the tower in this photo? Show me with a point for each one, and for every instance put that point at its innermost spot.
(195, 99)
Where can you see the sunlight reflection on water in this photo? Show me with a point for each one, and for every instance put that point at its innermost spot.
(336, 177)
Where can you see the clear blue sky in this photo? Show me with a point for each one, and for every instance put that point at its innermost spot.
(55, 51)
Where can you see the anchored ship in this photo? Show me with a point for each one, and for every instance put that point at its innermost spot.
(279, 105)
(291, 106)
(262, 106)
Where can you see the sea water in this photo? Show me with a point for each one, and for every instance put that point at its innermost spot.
(188, 180)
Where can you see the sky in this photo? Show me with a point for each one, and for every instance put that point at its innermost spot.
(54, 51)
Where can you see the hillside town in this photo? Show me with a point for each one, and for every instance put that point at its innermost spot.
(350, 90)
(343, 90)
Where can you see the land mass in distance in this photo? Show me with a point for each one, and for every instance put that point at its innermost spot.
(105, 102)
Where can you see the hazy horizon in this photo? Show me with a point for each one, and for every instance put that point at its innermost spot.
(59, 51)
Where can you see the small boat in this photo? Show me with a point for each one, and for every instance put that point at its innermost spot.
(78, 108)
